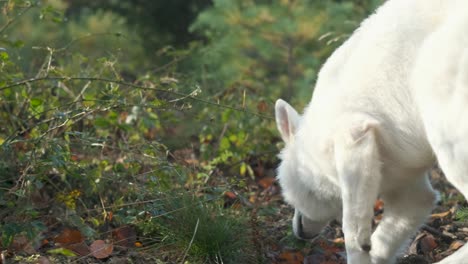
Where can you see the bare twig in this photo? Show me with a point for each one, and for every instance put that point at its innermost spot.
(12, 20)
(2, 257)
(96, 79)
(436, 232)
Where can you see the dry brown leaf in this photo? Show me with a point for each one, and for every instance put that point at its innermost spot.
(329, 248)
(124, 236)
(230, 195)
(338, 240)
(100, 249)
(44, 242)
(266, 182)
(440, 215)
(456, 245)
(69, 236)
(80, 249)
(427, 243)
(291, 257)
(22, 244)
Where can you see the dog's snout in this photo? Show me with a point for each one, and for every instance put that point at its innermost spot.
(302, 229)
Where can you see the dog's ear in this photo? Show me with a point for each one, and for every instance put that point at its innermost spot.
(286, 120)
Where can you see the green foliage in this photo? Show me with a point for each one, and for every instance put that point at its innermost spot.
(61, 251)
(271, 49)
(90, 119)
(202, 230)
(462, 214)
(160, 22)
(73, 129)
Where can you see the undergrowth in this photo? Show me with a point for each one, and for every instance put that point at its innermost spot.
(82, 147)
(98, 132)
(202, 231)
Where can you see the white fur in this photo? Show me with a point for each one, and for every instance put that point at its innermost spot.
(388, 103)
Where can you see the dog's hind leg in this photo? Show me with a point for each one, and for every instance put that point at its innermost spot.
(453, 159)
(441, 90)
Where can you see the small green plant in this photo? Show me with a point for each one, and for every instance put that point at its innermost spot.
(462, 214)
(204, 231)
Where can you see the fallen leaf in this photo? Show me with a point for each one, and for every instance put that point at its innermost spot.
(100, 249)
(69, 236)
(427, 243)
(291, 257)
(124, 236)
(230, 195)
(440, 215)
(329, 248)
(266, 182)
(338, 240)
(81, 249)
(44, 242)
(456, 245)
(22, 244)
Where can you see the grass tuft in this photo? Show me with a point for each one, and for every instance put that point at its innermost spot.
(206, 232)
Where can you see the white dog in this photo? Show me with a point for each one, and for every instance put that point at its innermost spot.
(388, 103)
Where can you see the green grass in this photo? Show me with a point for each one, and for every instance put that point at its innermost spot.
(205, 232)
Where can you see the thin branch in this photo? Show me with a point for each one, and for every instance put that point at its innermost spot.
(91, 35)
(10, 21)
(95, 79)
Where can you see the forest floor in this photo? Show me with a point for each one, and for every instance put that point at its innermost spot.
(272, 238)
(441, 235)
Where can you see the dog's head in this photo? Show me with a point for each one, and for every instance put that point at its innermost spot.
(303, 184)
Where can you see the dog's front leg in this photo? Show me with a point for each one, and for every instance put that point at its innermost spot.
(358, 167)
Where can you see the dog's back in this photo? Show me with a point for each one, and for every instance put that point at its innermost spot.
(370, 73)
